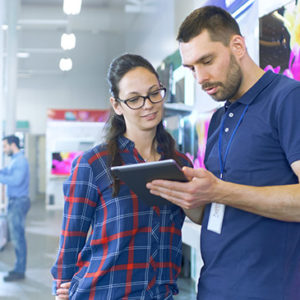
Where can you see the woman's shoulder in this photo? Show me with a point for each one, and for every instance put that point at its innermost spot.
(94, 161)
(94, 155)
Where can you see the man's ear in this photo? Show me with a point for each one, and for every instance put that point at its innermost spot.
(116, 106)
(238, 46)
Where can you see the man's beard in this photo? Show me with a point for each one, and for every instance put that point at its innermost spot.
(232, 84)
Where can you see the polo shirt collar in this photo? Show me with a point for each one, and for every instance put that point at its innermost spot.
(256, 89)
(17, 154)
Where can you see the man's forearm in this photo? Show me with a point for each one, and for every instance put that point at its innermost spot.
(277, 202)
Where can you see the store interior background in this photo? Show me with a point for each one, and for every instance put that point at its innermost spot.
(32, 85)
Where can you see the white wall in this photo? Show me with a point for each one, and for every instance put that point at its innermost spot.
(154, 34)
(33, 102)
(74, 89)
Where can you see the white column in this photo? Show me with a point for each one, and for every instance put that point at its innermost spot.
(2, 106)
(11, 68)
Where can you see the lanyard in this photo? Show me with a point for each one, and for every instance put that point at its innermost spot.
(222, 161)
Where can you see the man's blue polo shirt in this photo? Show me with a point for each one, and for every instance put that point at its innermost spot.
(255, 257)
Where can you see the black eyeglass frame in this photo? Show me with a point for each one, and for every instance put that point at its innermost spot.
(162, 88)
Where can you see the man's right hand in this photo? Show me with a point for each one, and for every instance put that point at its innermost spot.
(200, 190)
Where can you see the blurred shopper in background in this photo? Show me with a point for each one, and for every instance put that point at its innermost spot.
(16, 177)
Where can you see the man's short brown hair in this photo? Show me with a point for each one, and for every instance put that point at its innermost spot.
(218, 22)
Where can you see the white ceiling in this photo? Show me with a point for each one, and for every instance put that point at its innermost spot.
(42, 22)
(100, 28)
(85, 3)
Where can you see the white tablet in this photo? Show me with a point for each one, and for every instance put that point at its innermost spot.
(137, 175)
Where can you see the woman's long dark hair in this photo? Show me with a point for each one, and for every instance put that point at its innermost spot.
(116, 126)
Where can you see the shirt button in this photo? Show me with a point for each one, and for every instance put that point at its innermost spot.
(231, 115)
(226, 129)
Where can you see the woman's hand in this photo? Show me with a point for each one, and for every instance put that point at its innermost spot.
(62, 292)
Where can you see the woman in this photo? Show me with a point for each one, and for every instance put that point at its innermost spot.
(133, 250)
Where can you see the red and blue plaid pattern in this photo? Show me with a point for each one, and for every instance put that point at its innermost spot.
(133, 251)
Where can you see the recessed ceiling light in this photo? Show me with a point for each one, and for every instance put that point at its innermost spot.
(72, 7)
(65, 64)
(68, 41)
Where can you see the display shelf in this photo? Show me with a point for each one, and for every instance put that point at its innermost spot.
(191, 237)
(58, 177)
(177, 108)
(64, 138)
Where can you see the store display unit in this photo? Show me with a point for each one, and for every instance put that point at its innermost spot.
(65, 140)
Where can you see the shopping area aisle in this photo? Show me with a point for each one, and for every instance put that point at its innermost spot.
(42, 240)
(42, 233)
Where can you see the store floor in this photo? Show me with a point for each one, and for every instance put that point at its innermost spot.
(42, 233)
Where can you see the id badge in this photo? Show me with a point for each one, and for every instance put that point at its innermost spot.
(216, 217)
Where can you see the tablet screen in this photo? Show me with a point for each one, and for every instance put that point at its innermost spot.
(137, 175)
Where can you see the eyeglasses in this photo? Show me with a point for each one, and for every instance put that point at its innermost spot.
(139, 101)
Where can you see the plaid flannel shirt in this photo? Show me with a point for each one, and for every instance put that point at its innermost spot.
(133, 251)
